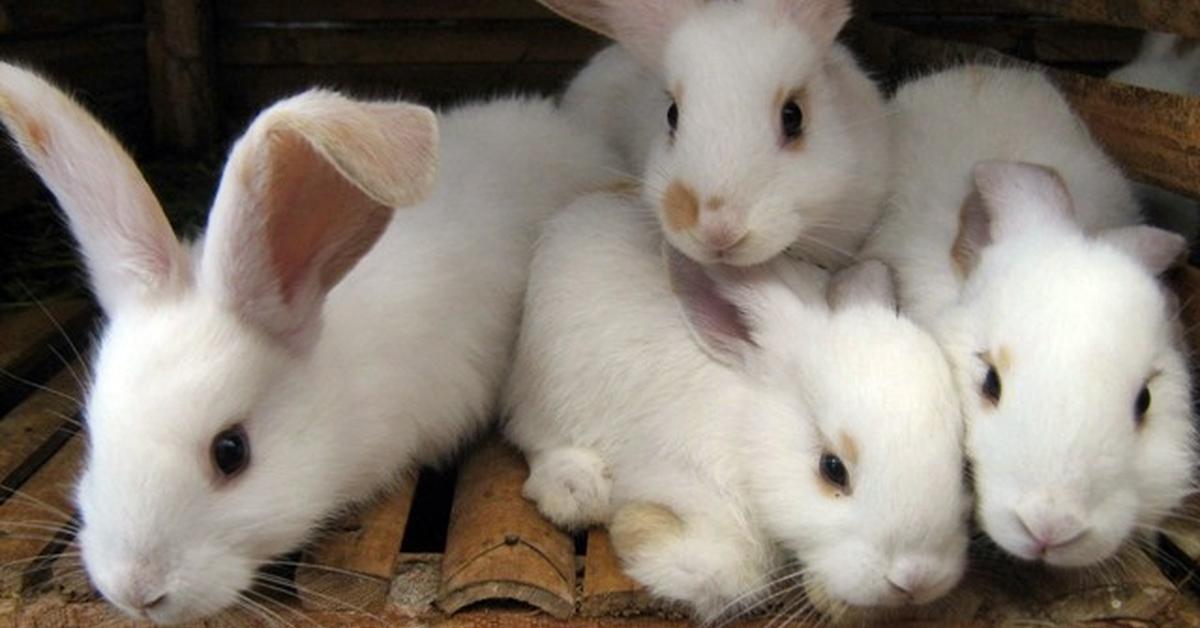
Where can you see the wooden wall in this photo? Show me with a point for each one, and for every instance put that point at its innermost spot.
(95, 47)
(436, 50)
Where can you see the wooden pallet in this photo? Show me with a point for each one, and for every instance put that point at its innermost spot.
(500, 563)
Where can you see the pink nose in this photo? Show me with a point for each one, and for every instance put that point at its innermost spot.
(1052, 530)
(917, 579)
(720, 237)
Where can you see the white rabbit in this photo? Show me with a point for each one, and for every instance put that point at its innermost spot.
(245, 391)
(1165, 62)
(763, 133)
(830, 433)
(1075, 388)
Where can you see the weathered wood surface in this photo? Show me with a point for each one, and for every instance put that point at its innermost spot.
(1179, 16)
(377, 10)
(24, 16)
(498, 547)
(1155, 136)
(36, 342)
(606, 589)
(353, 564)
(179, 50)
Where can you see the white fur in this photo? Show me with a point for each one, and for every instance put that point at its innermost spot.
(405, 360)
(1161, 65)
(616, 404)
(727, 64)
(1084, 324)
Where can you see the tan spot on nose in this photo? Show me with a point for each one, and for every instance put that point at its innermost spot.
(715, 203)
(680, 206)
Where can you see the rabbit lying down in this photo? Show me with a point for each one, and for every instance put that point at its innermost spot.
(314, 345)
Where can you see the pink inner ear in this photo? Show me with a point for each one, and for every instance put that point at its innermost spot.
(318, 223)
(720, 325)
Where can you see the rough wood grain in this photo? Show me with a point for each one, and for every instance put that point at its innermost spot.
(30, 518)
(1179, 16)
(532, 42)
(178, 46)
(606, 588)
(498, 547)
(377, 10)
(29, 426)
(355, 561)
(35, 343)
(1153, 135)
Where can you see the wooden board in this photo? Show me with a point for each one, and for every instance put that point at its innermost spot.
(179, 51)
(353, 565)
(1179, 16)
(36, 342)
(377, 10)
(23, 16)
(606, 588)
(498, 547)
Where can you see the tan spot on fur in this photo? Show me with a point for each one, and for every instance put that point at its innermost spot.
(801, 97)
(621, 187)
(640, 524)
(715, 203)
(849, 451)
(34, 134)
(680, 206)
(38, 138)
(1002, 360)
(1185, 46)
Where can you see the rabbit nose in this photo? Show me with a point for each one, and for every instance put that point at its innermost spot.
(719, 235)
(918, 580)
(1051, 528)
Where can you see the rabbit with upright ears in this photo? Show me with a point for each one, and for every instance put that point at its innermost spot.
(729, 423)
(769, 135)
(310, 348)
(1019, 249)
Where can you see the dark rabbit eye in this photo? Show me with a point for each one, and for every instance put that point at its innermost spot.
(991, 385)
(1141, 406)
(792, 120)
(231, 451)
(673, 117)
(834, 471)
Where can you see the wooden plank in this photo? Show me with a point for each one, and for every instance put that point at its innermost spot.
(179, 49)
(498, 547)
(33, 515)
(34, 343)
(355, 561)
(33, 423)
(22, 16)
(606, 588)
(1154, 136)
(1176, 16)
(377, 10)
(535, 42)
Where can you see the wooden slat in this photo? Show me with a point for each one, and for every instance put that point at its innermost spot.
(355, 562)
(45, 500)
(32, 346)
(606, 589)
(1154, 136)
(23, 16)
(1177, 16)
(35, 421)
(179, 49)
(376, 10)
(498, 547)
(535, 42)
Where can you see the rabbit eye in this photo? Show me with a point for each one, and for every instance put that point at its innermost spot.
(231, 451)
(673, 117)
(792, 120)
(991, 385)
(1141, 406)
(833, 471)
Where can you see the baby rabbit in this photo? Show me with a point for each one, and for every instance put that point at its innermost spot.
(1066, 347)
(740, 427)
(762, 133)
(310, 348)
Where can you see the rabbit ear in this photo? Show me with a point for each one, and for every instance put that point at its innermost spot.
(129, 248)
(641, 26)
(822, 19)
(1020, 196)
(1156, 249)
(720, 327)
(307, 191)
(865, 283)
